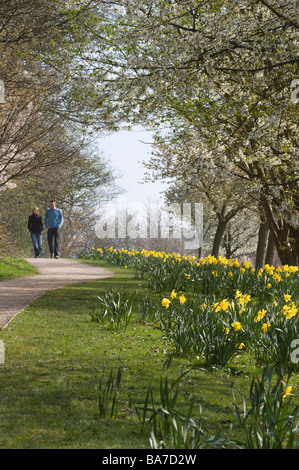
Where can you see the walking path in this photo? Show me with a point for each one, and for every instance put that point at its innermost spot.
(16, 294)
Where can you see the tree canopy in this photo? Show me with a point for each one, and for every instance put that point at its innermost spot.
(220, 75)
(226, 71)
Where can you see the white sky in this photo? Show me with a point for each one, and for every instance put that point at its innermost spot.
(126, 150)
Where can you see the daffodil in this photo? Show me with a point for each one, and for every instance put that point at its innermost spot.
(182, 299)
(217, 307)
(287, 392)
(260, 315)
(236, 326)
(224, 305)
(238, 294)
(266, 327)
(290, 311)
(173, 294)
(165, 302)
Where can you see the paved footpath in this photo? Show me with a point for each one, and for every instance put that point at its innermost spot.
(16, 294)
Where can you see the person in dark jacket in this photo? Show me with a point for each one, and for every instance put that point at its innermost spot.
(35, 227)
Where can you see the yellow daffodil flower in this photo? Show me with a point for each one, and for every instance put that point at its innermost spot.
(236, 326)
(287, 392)
(165, 302)
(173, 294)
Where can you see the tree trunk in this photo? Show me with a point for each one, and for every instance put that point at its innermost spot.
(218, 236)
(285, 236)
(227, 242)
(261, 244)
(270, 250)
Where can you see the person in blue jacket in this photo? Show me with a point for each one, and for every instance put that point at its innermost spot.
(53, 222)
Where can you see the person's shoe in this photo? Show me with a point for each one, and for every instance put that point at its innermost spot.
(52, 255)
(56, 257)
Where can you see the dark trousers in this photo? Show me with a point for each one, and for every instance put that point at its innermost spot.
(37, 242)
(53, 235)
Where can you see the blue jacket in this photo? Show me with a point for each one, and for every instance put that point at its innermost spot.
(53, 218)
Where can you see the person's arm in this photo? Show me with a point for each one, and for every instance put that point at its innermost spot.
(46, 219)
(29, 224)
(41, 223)
(60, 219)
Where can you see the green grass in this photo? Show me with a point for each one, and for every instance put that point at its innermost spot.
(55, 356)
(11, 268)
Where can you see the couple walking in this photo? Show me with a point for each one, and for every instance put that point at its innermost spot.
(53, 222)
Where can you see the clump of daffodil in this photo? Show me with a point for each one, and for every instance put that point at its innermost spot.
(266, 327)
(242, 300)
(260, 315)
(269, 269)
(247, 264)
(289, 310)
(223, 305)
(277, 277)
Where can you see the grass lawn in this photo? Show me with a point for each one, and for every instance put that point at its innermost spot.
(11, 268)
(54, 359)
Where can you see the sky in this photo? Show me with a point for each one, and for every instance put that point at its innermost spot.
(126, 150)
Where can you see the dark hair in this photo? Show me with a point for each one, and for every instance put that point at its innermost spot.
(53, 200)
